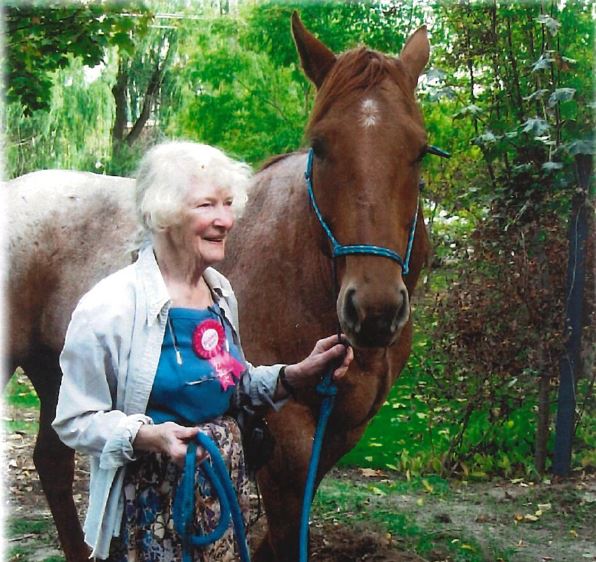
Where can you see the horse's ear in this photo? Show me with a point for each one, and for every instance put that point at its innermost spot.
(316, 58)
(416, 53)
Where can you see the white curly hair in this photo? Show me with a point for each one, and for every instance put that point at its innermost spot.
(169, 170)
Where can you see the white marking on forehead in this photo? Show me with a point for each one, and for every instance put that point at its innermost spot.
(370, 113)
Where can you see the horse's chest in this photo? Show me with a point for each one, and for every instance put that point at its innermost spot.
(361, 396)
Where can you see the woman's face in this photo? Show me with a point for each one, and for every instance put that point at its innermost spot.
(206, 220)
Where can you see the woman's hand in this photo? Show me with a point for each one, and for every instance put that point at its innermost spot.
(325, 353)
(168, 438)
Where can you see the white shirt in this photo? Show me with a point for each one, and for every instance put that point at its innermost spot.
(110, 357)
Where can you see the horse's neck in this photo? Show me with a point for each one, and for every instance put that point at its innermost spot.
(282, 280)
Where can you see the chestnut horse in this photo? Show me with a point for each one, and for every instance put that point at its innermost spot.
(69, 229)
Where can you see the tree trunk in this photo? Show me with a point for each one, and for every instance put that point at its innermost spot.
(119, 92)
(542, 423)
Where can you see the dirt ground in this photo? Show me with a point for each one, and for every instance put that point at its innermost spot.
(507, 513)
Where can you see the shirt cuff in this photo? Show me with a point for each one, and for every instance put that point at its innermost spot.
(119, 451)
(260, 384)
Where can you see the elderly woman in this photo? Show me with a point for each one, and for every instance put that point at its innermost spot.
(152, 356)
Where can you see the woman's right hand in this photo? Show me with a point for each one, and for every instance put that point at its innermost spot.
(168, 438)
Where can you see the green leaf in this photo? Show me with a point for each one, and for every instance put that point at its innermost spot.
(535, 126)
(485, 139)
(543, 63)
(538, 94)
(560, 94)
(550, 23)
(581, 146)
(551, 166)
(468, 110)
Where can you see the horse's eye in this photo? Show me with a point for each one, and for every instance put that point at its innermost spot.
(318, 146)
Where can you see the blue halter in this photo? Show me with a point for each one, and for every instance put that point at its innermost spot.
(365, 249)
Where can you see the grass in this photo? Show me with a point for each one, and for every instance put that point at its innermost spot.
(20, 393)
(449, 520)
(348, 502)
(27, 532)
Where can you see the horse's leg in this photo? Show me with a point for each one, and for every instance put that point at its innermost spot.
(53, 460)
(283, 504)
(283, 479)
(281, 482)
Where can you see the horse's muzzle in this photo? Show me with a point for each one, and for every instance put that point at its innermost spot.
(373, 322)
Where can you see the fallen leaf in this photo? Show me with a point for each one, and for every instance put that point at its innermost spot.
(377, 491)
(427, 486)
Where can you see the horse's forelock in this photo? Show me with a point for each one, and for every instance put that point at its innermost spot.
(354, 73)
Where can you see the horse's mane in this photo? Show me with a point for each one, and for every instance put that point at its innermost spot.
(358, 69)
(278, 158)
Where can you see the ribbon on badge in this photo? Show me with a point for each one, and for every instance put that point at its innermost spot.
(208, 342)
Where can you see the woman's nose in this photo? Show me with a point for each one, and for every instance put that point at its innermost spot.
(224, 217)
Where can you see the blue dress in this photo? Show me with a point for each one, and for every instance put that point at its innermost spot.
(186, 390)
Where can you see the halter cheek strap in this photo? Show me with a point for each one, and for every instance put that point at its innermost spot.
(339, 249)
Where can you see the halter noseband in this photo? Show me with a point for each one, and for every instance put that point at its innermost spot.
(365, 249)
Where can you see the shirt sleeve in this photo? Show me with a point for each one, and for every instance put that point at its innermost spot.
(258, 386)
(85, 416)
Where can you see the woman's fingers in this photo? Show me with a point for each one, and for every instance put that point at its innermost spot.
(187, 432)
(201, 455)
(327, 343)
(327, 352)
(343, 368)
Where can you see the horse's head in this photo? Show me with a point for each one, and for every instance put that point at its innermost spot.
(368, 137)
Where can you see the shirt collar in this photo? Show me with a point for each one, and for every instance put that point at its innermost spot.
(214, 282)
(155, 287)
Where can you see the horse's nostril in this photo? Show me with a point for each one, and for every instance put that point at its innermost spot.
(350, 311)
(403, 311)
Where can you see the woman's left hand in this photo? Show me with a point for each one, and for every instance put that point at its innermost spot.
(326, 351)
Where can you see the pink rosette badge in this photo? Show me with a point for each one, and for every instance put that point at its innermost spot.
(208, 342)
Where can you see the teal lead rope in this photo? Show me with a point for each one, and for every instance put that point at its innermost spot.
(184, 501)
(328, 390)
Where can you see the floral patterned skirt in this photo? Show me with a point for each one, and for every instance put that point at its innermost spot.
(150, 484)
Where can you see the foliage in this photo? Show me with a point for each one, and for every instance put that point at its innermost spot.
(527, 94)
(71, 134)
(428, 424)
(42, 37)
(240, 86)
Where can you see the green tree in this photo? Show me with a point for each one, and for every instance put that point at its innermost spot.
(42, 37)
(521, 73)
